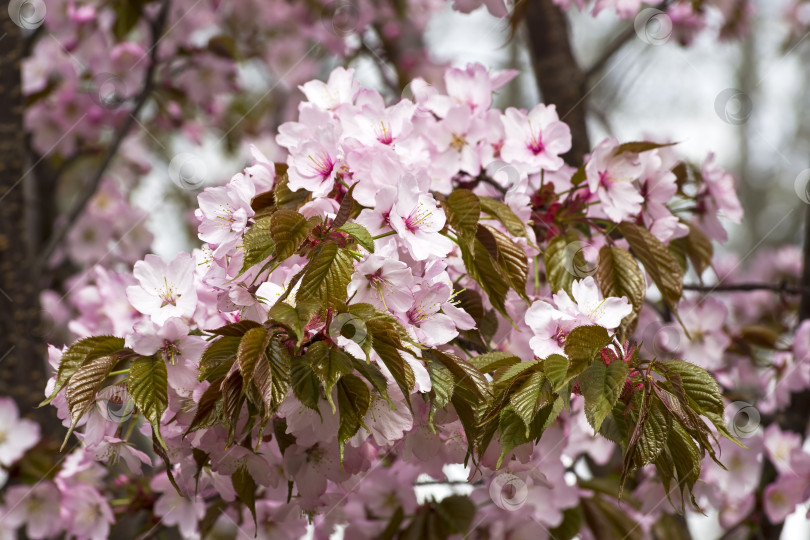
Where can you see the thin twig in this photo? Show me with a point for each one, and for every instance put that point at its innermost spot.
(614, 46)
(73, 215)
(743, 287)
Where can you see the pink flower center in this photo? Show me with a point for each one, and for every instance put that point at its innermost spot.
(536, 145)
(604, 179)
(322, 164)
(384, 134)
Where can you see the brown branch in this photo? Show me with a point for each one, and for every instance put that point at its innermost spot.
(59, 233)
(22, 353)
(612, 48)
(781, 288)
(559, 76)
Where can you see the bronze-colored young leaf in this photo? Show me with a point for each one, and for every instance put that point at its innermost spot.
(657, 260)
(147, 384)
(511, 258)
(504, 214)
(236, 329)
(492, 361)
(463, 210)
(619, 275)
(206, 413)
(78, 353)
(556, 369)
(272, 376)
(463, 372)
(699, 248)
(353, 401)
(561, 262)
(84, 385)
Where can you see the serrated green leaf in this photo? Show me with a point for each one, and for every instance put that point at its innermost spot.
(504, 214)
(329, 366)
(511, 258)
(374, 376)
(582, 346)
(685, 457)
(147, 385)
(489, 362)
(327, 276)
(699, 248)
(560, 262)
(443, 384)
(218, 358)
(618, 274)
(78, 353)
(556, 370)
(529, 398)
(285, 198)
(516, 369)
(353, 401)
(236, 329)
(304, 381)
(664, 270)
(386, 344)
(483, 267)
(251, 348)
(359, 233)
(698, 385)
(463, 372)
(245, 487)
(601, 387)
(272, 376)
(463, 210)
(257, 243)
(287, 315)
(288, 229)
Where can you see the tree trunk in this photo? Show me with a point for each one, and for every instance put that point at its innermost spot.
(22, 353)
(559, 77)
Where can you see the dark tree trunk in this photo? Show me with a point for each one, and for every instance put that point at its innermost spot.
(22, 368)
(559, 77)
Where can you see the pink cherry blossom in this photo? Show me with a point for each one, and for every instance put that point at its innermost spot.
(17, 435)
(165, 290)
(610, 176)
(535, 139)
